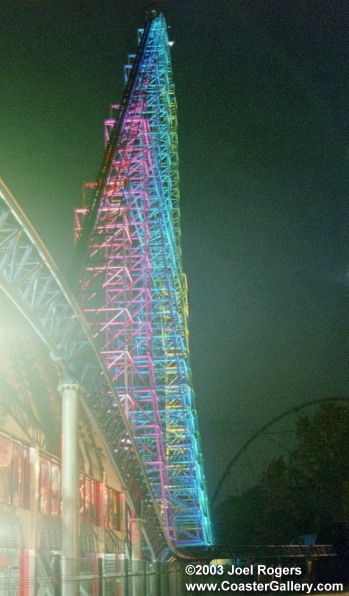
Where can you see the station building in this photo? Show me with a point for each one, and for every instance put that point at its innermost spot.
(30, 455)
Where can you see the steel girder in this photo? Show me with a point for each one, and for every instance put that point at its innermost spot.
(30, 278)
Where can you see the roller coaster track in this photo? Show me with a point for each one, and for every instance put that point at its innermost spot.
(129, 347)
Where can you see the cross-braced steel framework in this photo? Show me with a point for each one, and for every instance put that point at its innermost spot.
(134, 289)
(30, 278)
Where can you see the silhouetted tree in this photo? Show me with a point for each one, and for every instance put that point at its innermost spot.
(318, 466)
(298, 494)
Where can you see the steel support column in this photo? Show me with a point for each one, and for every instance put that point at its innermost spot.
(70, 489)
(136, 525)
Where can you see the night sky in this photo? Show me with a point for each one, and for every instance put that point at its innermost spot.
(263, 91)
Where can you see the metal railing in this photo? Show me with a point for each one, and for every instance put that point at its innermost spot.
(29, 574)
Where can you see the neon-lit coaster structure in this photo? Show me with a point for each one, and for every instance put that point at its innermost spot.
(133, 288)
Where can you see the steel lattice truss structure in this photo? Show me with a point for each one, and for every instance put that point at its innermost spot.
(30, 278)
(134, 289)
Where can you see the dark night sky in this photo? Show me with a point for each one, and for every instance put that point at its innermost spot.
(262, 90)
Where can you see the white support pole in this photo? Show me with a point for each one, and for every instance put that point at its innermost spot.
(70, 489)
